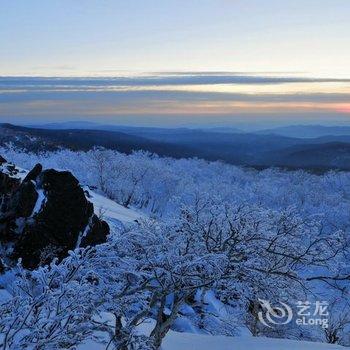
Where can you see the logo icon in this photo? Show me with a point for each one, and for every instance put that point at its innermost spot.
(274, 315)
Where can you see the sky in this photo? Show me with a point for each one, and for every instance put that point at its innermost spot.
(175, 62)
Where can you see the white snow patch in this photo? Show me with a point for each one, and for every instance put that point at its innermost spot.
(39, 202)
(110, 209)
(20, 173)
(187, 341)
(83, 234)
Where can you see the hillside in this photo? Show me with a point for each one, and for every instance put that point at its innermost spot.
(248, 149)
(47, 139)
(186, 341)
(307, 131)
(263, 231)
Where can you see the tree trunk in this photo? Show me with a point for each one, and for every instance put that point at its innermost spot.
(165, 322)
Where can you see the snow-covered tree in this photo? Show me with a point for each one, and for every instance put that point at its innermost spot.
(49, 308)
(214, 231)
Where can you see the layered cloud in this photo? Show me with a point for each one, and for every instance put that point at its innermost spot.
(170, 78)
(172, 93)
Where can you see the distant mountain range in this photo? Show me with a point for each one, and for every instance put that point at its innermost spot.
(297, 131)
(260, 150)
(307, 131)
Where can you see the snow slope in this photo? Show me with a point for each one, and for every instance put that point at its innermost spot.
(112, 210)
(187, 341)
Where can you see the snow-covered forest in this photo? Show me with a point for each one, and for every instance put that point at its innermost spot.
(210, 240)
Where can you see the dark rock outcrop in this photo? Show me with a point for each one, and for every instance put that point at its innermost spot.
(8, 184)
(22, 202)
(96, 234)
(2, 160)
(46, 215)
(2, 267)
(34, 173)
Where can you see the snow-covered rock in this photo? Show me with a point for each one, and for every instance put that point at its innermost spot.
(43, 215)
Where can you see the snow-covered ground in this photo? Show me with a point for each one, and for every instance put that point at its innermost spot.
(190, 341)
(187, 341)
(112, 210)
